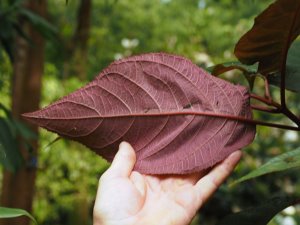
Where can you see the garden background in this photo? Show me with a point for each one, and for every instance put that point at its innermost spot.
(50, 48)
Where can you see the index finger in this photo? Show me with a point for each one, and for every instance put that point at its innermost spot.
(207, 185)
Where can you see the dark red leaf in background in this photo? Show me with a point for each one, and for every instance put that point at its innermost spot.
(273, 31)
(152, 102)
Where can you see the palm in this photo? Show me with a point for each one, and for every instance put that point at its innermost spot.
(126, 197)
(173, 197)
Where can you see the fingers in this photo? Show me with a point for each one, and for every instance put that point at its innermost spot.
(124, 161)
(139, 182)
(194, 178)
(210, 183)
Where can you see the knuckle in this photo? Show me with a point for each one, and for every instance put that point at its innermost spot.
(104, 177)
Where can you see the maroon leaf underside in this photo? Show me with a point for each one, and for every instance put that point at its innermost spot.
(151, 101)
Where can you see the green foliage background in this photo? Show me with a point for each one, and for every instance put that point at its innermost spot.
(204, 31)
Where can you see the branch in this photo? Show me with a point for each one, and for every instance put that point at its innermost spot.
(265, 109)
(291, 116)
(267, 90)
(269, 102)
(278, 108)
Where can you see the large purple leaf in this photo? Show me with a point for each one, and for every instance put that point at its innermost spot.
(153, 101)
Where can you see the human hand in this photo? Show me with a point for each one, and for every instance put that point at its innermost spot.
(127, 197)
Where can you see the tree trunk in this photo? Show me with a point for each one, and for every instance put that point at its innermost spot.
(76, 60)
(18, 188)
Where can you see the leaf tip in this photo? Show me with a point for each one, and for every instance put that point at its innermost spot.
(31, 116)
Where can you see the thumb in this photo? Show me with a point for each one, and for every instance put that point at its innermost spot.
(124, 161)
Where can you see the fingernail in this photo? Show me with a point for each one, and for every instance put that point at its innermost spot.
(124, 145)
(236, 156)
(124, 148)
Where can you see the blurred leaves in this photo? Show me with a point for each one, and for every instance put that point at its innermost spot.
(271, 35)
(8, 25)
(11, 12)
(12, 213)
(202, 32)
(292, 79)
(10, 156)
(10, 131)
(40, 24)
(260, 215)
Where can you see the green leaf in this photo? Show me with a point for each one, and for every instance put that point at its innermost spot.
(8, 17)
(10, 130)
(22, 33)
(272, 33)
(288, 160)
(5, 110)
(10, 156)
(18, 127)
(249, 71)
(292, 79)
(12, 213)
(7, 44)
(24, 131)
(40, 24)
(260, 215)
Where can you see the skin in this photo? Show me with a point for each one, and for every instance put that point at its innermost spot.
(127, 197)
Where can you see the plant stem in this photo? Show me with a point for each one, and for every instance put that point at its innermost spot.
(265, 109)
(297, 201)
(269, 102)
(291, 116)
(278, 108)
(267, 90)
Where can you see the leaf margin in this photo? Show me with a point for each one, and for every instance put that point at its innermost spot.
(6, 212)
